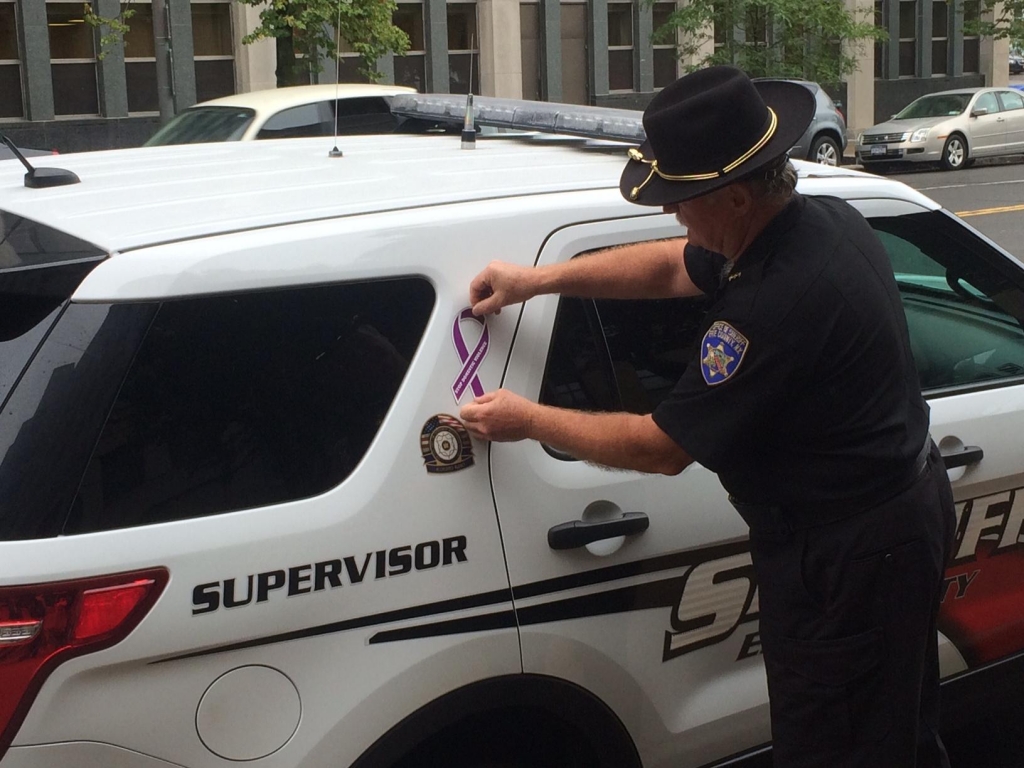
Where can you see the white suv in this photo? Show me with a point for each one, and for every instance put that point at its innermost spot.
(241, 522)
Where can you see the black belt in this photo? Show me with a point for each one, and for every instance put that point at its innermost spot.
(775, 518)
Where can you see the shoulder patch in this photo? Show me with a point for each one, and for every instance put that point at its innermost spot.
(721, 352)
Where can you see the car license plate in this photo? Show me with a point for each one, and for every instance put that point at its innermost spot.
(878, 149)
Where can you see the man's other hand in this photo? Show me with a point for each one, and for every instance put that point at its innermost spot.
(499, 285)
(499, 416)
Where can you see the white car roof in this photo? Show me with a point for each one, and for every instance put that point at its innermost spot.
(132, 198)
(273, 100)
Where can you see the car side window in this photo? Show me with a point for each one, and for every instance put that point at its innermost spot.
(988, 102)
(963, 301)
(295, 123)
(240, 401)
(619, 355)
(1011, 100)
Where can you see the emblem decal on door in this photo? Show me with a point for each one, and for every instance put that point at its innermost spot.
(445, 445)
(471, 361)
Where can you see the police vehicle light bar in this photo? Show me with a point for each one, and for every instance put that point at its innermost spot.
(519, 114)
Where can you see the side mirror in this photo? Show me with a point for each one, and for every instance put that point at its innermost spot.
(979, 112)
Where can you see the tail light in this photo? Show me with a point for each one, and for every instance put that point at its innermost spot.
(44, 625)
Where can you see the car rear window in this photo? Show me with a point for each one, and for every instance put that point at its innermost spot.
(203, 124)
(201, 406)
(40, 267)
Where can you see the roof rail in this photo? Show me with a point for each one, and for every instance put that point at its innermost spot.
(546, 117)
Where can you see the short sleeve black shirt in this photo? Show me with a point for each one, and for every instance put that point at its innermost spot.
(804, 391)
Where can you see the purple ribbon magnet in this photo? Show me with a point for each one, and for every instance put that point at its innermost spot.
(471, 361)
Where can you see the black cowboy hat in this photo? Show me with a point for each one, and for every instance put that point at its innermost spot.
(709, 129)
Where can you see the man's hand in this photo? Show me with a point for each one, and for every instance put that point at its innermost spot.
(499, 285)
(500, 416)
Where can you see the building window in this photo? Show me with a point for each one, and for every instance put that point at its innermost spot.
(11, 102)
(972, 44)
(879, 44)
(940, 38)
(529, 46)
(620, 47)
(463, 48)
(410, 69)
(349, 63)
(140, 59)
(72, 60)
(212, 48)
(908, 38)
(665, 59)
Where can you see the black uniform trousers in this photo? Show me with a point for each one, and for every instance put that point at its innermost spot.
(848, 630)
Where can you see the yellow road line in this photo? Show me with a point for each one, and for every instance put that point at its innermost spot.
(987, 211)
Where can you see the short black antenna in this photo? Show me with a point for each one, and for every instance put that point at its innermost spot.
(39, 178)
(468, 123)
(335, 152)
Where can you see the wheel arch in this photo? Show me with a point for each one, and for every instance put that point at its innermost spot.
(558, 706)
(832, 133)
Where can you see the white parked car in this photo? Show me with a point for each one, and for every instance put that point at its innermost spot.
(284, 113)
(951, 128)
(240, 520)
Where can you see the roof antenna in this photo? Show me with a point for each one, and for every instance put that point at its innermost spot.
(335, 152)
(468, 124)
(39, 178)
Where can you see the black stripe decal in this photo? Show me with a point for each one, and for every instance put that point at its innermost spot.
(626, 570)
(501, 620)
(387, 617)
(657, 594)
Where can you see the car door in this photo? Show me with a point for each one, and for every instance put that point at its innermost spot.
(1013, 111)
(660, 622)
(987, 132)
(964, 301)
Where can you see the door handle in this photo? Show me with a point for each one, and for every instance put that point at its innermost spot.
(579, 533)
(971, 454)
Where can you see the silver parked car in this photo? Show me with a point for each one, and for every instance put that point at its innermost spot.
(824, 141)
(951, 128)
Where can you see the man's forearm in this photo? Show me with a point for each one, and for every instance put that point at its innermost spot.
(621, 440)
(650, 270)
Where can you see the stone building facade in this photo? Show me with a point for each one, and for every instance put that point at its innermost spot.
(57, 91)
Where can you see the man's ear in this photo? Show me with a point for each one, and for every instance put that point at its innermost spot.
(739, 197)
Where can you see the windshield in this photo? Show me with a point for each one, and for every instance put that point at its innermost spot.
(939, 105)
(202, 124)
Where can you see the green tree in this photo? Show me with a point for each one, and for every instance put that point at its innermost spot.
(303, 27)
(811, 39)
(999, 19)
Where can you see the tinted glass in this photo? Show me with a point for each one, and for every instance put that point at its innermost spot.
(140, 77)
(462, 27)
(619, 355)
(48, 426)
(40, 268)
(411, 71)
(1011, 100)
(665, 68)
(214, 78)
(211, 29)
(11, 104)
(70, 36)
(307, 120)
(8, 32)
(944, 105)
(409, 18)
(963, 301)
(138, 40)
(202, 124)
(234, 402)
(74, 89)
(987, 101)
(620, 24)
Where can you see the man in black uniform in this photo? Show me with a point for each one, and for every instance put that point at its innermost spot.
(803, 398)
